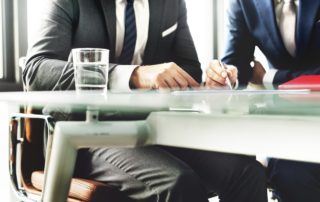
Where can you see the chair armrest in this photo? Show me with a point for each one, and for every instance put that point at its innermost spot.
(29, 117)
(20, 125)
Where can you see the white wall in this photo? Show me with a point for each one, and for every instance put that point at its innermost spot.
(200, 19)
(1, 44)
(35, 8)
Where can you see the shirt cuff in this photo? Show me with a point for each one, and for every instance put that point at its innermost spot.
(268, 78)
(120, 77)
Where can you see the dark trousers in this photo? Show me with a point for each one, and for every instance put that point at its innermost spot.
(162, 174)
(295, 181)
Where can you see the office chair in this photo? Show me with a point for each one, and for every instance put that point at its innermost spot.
(30, 135)
(28, 164)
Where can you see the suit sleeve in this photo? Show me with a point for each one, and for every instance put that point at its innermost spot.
(240, 44)
(184, 48)
(283, 76)
(47, 66)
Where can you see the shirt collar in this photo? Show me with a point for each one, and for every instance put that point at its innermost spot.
(280, 1)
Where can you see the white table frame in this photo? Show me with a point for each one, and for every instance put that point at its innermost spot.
(206, 132)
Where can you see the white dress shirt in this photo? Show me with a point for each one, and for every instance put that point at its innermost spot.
(270, 74)
(120, 77)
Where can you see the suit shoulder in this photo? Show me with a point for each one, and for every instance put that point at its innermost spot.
(173, 6)
(239, 3)
(66, 5)
(62, 7)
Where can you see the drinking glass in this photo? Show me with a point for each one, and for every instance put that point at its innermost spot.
(91, 69)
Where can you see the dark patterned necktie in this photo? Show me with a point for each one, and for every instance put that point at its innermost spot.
(130, 35)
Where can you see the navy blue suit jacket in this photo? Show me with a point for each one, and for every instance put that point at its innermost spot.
(253, 23)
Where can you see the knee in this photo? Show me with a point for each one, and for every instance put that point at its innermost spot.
(257, 169)
(244, 174)
(254, 171)
(248, 168)
(184, 179)
(290, 176)
(242, 170)
(184, 185)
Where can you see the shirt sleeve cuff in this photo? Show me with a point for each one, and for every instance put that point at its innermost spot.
(120, 77)
(268, 78)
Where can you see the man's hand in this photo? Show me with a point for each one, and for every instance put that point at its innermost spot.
(217, 75)
(162, 76)
(257, 73)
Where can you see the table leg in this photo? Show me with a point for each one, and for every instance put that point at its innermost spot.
(70, 136)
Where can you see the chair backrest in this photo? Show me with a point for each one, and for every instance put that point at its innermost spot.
(25, 157)
(32, 158)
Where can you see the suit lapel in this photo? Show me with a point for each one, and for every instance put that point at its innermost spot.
(306, 19)
(155, 24)
(268, 16)
(109, 8)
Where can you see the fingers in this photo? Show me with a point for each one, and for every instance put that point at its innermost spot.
(232, 73)
(213, 84)
(172, 83)
(217, 74)
(181, 81)
(190, 81)
(167, 75)
(161, 84)
(175, 78)
(168, 80)
(215, 77)
(218, 67)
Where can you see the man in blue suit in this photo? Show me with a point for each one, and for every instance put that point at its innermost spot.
(288, 33)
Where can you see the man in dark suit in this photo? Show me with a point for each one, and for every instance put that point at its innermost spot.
(163, 56)
(288, 33)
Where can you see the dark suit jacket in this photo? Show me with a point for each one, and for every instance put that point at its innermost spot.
(253, 23)
(92, 23)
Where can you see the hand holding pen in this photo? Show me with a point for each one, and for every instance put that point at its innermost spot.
(221, 76)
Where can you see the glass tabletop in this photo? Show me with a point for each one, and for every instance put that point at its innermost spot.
(301, 102)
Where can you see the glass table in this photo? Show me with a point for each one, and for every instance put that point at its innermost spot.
(280, 124)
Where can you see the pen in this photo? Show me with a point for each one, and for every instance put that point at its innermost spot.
(227, 79)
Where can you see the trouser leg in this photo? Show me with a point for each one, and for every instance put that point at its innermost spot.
(295, 181)
(147, 174)
(235, 178)
(152, 174)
